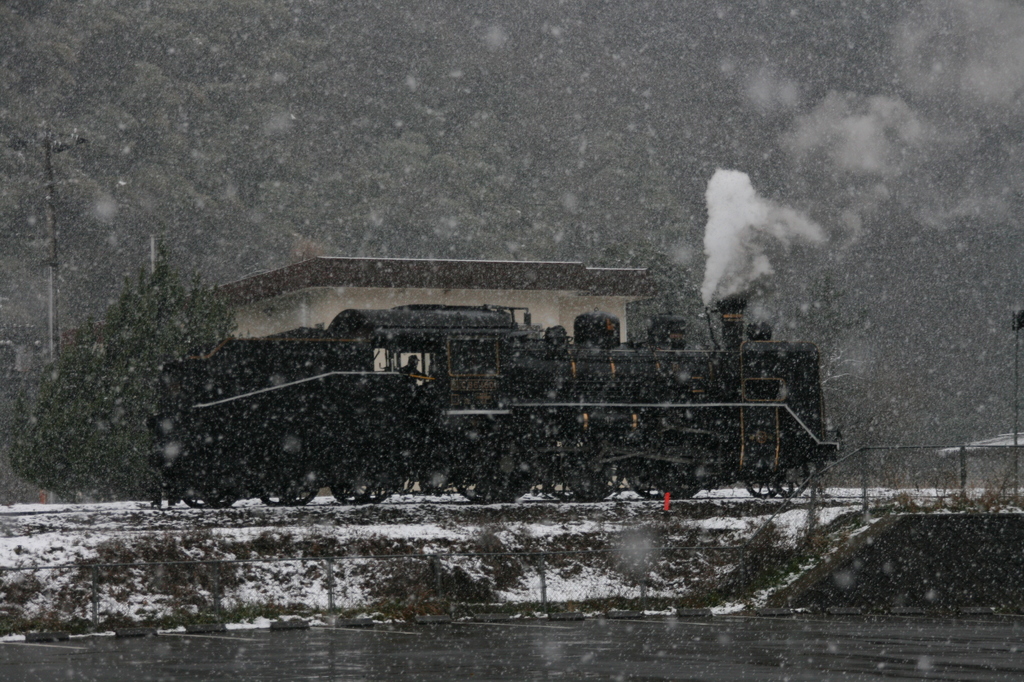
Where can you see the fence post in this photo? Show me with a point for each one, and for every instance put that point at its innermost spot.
(811, 511)
(216, 589)
(643, 593)
(1016, 473)
(864, 485)
(95, 597)
(330, 585)
(963, 471)
(541, 569)
(435, 563)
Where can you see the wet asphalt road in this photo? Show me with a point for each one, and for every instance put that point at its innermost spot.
(719, 649)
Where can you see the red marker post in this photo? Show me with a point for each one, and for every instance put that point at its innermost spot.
(668, 501)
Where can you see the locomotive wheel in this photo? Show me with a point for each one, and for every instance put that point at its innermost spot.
(644, 489)
(774, 488)
(580, 477)
(785, 489)
(342, 492)
(786, 485)
(651, 480)
(590, 483)
(504, 480)
(366, 487)
(762, 490)
(794, 487)
(494, 490)
(678, 492)
(373, 493)
(352, 494)
(214, 499)
(293, 496)
(648, 493)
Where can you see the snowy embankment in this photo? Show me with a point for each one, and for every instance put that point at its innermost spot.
(398, 557)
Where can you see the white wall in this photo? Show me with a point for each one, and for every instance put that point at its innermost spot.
(310, 307)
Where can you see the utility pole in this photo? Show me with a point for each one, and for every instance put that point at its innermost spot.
(1018, 322)
(52, 145)
(51, 247)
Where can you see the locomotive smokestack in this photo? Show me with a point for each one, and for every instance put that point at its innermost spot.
(732, 309)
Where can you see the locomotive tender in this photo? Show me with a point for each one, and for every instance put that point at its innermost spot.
(436, 398)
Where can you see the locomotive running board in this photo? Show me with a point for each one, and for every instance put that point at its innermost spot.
(289, 384)
(618, 457)
(682, 406)
(638, 455)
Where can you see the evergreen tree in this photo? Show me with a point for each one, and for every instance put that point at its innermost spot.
(86, 433)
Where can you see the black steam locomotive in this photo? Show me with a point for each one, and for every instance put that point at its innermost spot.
(438, 398)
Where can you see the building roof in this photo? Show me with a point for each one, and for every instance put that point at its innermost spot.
(415, 273)
(1002, 441)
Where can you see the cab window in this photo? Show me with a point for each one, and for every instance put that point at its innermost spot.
(398, 360)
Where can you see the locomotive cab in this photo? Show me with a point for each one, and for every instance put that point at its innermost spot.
(474, 368)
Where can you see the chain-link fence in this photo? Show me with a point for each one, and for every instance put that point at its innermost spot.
(121, 594)
(911, 478)
(922, 474)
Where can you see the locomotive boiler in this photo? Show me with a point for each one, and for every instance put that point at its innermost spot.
(426, 398)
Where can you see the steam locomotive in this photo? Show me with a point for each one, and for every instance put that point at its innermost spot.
(426, 398)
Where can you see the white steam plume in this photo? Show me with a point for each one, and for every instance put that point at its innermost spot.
(739, 222)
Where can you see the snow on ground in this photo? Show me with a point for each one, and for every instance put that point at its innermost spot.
(486, 553)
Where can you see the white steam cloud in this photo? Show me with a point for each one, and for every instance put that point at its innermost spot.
(967, 52)
(769, 93)
(740, 224)
(858, 135)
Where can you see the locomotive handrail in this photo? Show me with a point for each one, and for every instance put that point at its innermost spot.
(640, 406)
(288, 384)
(270, 339)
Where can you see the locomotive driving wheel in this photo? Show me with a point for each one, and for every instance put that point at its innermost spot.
(651, 486)
(368, 486)
(372, 494)
(342, 492)
(763, 490)
(504, 477)
(786, 484)
(293, 494)
(211, 498)
(591, 481)
(581, 476)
